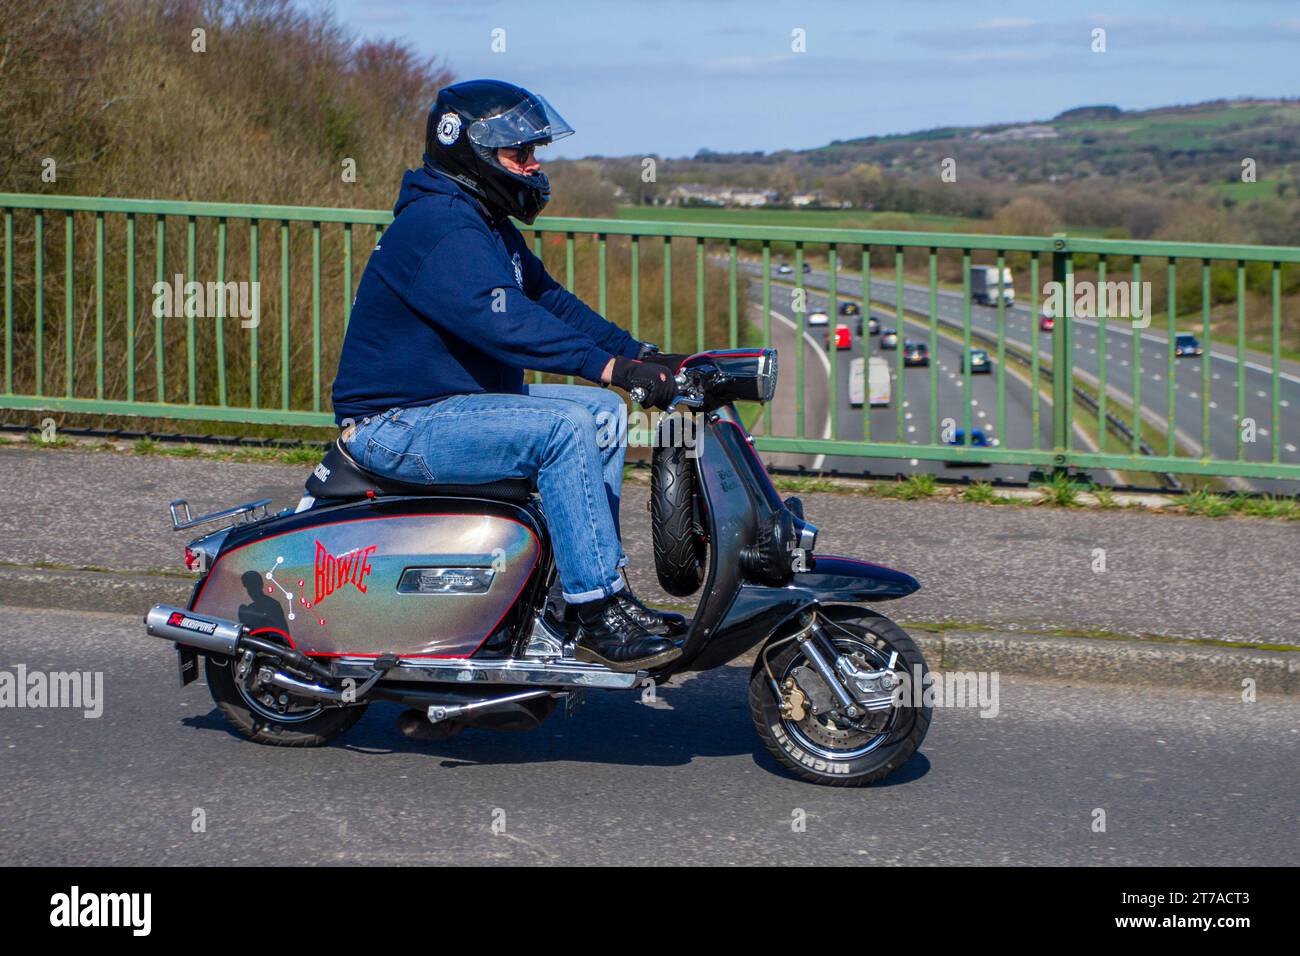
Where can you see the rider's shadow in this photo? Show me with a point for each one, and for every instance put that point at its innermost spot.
(694, 715)
(704, 715)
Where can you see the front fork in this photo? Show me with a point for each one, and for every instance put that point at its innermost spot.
(858, 692)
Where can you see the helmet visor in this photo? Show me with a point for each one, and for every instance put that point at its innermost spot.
(532, 121)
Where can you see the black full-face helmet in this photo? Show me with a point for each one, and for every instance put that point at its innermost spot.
(470, 121)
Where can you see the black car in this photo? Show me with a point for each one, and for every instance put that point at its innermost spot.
(1185, 344)
(850, 308)
(979, 363)
(868, 323)
(916, 353)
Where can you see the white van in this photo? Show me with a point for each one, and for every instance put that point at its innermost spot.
(877, 385)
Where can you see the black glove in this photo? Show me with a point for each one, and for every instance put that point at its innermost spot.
(671, 359)
(657, 388)
(651, 353)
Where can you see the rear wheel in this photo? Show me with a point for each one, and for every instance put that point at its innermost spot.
(819, 748)
(271, 717)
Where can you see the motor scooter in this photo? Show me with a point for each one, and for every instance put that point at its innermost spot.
(433, 597)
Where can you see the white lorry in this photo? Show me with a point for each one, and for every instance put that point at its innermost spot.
(984, 285)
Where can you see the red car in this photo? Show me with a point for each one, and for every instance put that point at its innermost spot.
(1046, 321)
(843, 339)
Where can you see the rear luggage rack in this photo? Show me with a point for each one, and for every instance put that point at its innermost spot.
(245, 514)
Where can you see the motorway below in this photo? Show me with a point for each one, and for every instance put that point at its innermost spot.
(907, 419)
(1183, 778)
(1154, 381)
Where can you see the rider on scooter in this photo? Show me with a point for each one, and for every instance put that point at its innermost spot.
(450, 311)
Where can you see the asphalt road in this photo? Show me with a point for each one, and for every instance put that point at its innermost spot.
(1183, 778)
(1189, 382)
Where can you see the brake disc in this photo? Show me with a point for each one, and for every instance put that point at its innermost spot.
(825, 725)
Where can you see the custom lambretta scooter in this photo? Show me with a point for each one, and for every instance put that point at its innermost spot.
(432, 596)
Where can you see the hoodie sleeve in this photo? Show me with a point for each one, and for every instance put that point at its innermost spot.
(550, 295)
(462, 287)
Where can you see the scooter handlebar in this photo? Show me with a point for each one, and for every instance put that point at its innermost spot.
(684, 397)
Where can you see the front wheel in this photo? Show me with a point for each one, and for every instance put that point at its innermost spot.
(822, 748)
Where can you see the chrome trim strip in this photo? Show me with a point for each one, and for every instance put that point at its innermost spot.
(509, 671)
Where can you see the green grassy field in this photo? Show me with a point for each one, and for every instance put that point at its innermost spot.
(818, 219)
(1178, 130)
(810, 218)
(1246, 191)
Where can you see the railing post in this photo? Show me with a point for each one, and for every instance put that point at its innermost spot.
(1062, 375)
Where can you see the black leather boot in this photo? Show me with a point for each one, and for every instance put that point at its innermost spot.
(608, 635)
(560, 615)
(662, 623)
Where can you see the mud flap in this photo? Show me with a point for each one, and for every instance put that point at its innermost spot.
(187, 661)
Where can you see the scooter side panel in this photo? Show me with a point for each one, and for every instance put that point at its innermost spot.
(369, 584)
(733, 507)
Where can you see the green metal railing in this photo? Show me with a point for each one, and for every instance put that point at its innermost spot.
(113, 354)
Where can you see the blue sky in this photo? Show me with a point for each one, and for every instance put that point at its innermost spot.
(670, 77)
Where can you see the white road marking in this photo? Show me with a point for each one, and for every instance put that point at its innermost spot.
(826, 430)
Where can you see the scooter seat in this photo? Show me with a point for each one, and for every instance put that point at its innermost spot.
(339, 476)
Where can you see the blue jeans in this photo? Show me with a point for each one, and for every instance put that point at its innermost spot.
(569, 439)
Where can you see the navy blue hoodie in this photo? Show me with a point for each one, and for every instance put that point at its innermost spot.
(452, 301)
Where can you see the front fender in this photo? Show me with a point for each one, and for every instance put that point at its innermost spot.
(834, 578)
(758, 610)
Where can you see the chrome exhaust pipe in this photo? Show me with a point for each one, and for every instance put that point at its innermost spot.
(210, 634)
(301, 688)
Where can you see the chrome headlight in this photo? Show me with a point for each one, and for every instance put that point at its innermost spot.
(767, 375)
(747, 375)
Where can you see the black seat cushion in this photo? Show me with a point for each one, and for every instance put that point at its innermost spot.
(340, 476)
